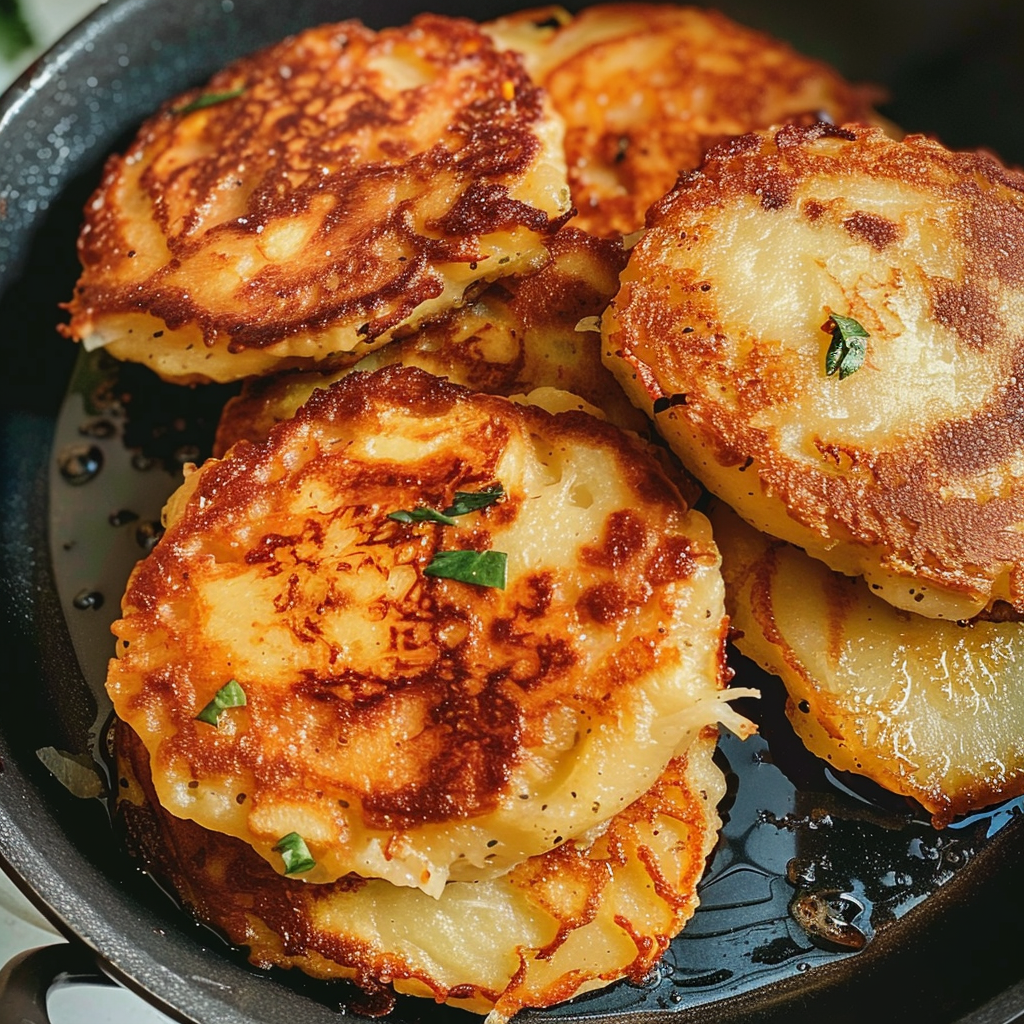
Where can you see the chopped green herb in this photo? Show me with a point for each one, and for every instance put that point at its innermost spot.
(230, 695)
(846, 353)
(419, 515)
(463, 503)
(482, 568)
(295, 854)
(472, 501)
(207, 99)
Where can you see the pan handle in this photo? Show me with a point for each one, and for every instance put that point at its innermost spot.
(26, 979)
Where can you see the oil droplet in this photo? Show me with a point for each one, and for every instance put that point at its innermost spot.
(896, 879)
(918, 848)
(827, 918)
(86, 599)
(80, 463)
(650, 980)
(147, 533)
(101, 429)
(801, 872)
(186, 453)
(109, 739)
(122, 517)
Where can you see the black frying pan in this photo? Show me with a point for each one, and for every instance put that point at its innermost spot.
(943, 944)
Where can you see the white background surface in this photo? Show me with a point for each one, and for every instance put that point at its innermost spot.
(21, 925)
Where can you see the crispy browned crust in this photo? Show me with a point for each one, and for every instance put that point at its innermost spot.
(571, 889)
(935, 498)
(383, 182)
(645, 89)
(419, 701)
(521, 333)
(932, 712)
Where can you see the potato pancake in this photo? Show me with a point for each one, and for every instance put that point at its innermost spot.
(645, 89)
(572, 919)
(418, 693)
(316, 198)
(930, 709)
(519, 335)
(824, 323)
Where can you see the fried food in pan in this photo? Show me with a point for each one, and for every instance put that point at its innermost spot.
(464, 631)
(576, 918)
(318, 198)
(519, 335)
(824, 324)
(645, 89)
(930, 709)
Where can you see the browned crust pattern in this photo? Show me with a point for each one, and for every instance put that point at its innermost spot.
(229, 887)
(314, 133)
(752, 571)
(926, 500)
(520, 334)
(704, 78)
(483, 699)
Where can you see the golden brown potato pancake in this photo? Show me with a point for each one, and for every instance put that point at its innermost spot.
(519, 335)
(927, 708)
(572, 919)
(317, 198)
(646, 88)
(907, 464)
(410, 724)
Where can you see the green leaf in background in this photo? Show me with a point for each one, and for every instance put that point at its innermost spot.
(15, 35)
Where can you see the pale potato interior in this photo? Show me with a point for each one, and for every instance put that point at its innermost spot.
(774, 277)
(928, 708)
(553, 927)
(585, 766)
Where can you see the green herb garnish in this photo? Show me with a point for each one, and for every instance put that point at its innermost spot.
(846, 353)
(207, 99)
(295, 854)
(419, 515)
(482, 568)
(230, 695)
(462, 504)
(472, 501)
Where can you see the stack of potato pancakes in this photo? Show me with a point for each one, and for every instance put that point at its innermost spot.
(422, 684)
